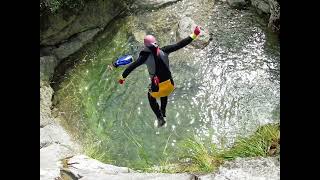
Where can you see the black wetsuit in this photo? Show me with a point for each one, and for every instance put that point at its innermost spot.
(163, 72)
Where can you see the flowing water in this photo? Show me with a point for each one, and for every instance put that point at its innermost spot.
(227, 89)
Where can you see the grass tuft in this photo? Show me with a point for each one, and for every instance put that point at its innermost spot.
(264, 142)
(197, 157)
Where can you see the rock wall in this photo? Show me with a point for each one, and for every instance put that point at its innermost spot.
(268, 7)
(153, 4)
(65, 32)
(58, 27)
(55, 142)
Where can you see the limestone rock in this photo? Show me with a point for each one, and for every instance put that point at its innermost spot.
(274, 20)
(56, 134)
(139, 176)
(153, 3)
(247, 169)
(139, 36)
(262, 5)
(47, 65)
(238, 4)
(83, 166)
(143, 176)
(270, 7)
(75, 43)
(45, 105)
(50, 160)
(58, 27)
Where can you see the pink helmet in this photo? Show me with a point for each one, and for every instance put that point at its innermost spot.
(149, 39)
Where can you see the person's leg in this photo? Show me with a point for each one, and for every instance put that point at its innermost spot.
(154, 105)
(164, 101)
(155, 108)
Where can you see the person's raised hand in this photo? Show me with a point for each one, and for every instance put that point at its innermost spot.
(197, 30)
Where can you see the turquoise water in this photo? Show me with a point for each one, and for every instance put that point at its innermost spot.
(224, 90)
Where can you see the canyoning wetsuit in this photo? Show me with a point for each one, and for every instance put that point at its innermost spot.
(158, 65)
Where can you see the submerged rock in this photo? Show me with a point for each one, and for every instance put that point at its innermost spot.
(274, 20)
(153, 3)
(186, 27)
(261, 5)
(238, 4)
(139, 35)
(271, 8)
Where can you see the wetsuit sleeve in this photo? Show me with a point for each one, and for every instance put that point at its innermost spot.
(141, 59)
(174, 47)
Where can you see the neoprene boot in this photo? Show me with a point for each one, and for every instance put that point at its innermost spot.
(161, 121)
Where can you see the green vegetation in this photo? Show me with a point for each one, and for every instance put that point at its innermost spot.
(266, 141)
(196, 156)
(199, 157)
(92, 148)
(53, 6)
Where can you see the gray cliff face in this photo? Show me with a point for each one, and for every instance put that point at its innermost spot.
(271, 8)
(55, 142)
(59, 27)
(66, 31)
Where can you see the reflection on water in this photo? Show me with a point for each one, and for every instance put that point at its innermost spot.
(226, 89)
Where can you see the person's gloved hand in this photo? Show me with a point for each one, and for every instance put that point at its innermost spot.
(196, 32)
(121, 80)
(156, 80)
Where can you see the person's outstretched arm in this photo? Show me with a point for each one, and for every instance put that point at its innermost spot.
(174, 47)
(141, 59)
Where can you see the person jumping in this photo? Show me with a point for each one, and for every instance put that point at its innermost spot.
(157, 61)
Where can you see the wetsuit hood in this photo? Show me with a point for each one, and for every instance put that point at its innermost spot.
(149, 40)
